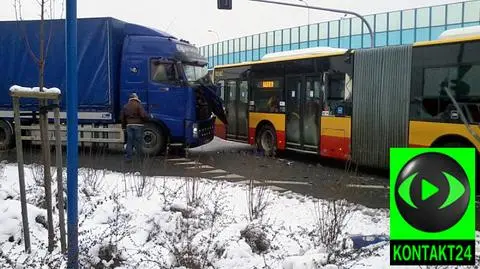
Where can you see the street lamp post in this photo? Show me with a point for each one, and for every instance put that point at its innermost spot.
(218, 37)
(218, 41)
(308, 10)
(372, 38)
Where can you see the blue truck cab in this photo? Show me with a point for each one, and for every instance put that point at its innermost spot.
(170, 76)
(116, 58)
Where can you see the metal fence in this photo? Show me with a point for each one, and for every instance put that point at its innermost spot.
(392, 28)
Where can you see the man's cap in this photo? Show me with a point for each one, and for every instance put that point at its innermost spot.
(133, 95)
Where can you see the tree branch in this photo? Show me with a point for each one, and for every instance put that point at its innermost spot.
(52, 16)
(17, 4)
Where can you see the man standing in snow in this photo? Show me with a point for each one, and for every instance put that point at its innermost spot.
(133, 116)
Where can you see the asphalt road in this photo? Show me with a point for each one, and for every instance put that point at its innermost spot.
(223, 160)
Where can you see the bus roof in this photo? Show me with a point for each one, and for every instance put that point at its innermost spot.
(454, 35)
(291, 55)
(299, 52)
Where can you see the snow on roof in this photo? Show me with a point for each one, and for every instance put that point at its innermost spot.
(460, 32)
(300, 52)
(16, 88)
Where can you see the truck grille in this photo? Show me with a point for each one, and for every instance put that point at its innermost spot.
(206, 131)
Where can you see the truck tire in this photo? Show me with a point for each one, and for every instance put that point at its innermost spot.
(154, 139)
(6, 136)
(267, 140)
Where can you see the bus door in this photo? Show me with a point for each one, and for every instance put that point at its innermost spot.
(236, 103)
(304, 103)
(293, 87)
(313, 102)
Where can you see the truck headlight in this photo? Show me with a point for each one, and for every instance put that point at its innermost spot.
(195, 130)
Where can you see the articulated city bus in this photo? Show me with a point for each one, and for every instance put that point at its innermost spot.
(356, 105)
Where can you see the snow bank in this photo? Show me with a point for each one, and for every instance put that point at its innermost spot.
(16, 88)
(221, 145)
(132, 221)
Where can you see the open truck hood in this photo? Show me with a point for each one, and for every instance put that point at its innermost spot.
(214, 102)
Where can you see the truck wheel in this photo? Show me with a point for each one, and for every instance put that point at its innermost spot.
(154, 139)
(267, 140)
(6, 136)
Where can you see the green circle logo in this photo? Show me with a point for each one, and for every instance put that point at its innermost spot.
(432, 192)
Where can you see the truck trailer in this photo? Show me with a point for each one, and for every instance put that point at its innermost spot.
(115, 59)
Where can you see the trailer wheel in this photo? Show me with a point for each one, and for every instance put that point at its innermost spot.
(267, 140)
(6, 136)
(154, 139)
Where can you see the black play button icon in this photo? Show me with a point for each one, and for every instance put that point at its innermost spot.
(432, 192)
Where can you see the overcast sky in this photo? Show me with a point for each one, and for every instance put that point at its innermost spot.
(191, 19)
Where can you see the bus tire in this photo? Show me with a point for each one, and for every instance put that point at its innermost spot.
(267, 140)
(154, 139)
(455, 144)
(6, 135)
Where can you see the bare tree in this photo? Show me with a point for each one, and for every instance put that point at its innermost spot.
(47, 9)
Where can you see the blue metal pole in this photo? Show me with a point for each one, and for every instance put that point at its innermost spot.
(72, 133)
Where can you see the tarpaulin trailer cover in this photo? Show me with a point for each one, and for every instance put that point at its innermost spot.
(100, 42)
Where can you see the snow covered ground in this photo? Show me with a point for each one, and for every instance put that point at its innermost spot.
(131, 221)
(221, 145)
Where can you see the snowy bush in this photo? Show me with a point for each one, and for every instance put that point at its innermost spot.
(257, 199)
(331, 219)
(93, 181)
(102, 250)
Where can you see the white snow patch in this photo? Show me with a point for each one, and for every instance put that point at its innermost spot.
(16, 88)
(221, 145)
(311, 260)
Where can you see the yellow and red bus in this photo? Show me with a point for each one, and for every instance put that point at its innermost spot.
(355, 104)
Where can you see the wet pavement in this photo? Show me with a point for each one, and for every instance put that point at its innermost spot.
(223, 160)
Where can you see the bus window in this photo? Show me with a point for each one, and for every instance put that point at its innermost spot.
(338, 99)
(336, 87)
(267, 95)
(244, 92)
(463, 82)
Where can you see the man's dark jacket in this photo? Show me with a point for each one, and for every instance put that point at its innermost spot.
(133, 113)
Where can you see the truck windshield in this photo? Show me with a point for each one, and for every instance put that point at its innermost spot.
(195, 72)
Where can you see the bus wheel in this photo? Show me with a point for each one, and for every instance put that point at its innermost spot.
(459, 144)
(6, 136)
(267, 140)
(154, 139)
